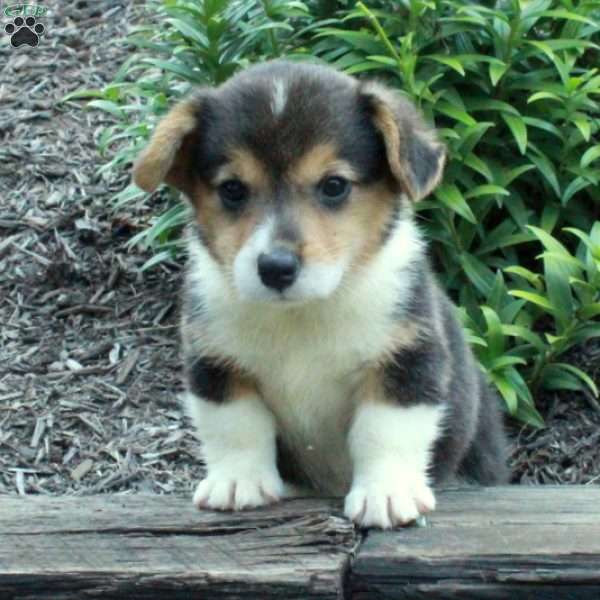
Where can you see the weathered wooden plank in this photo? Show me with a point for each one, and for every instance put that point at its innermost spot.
(152, 547)
(496, 543)
(518, 543)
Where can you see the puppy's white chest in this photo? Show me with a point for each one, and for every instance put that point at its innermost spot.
(313, 407)
(308, 377)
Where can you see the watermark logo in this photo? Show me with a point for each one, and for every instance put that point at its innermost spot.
(25, 28)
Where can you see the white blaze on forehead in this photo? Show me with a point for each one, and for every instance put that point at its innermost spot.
(279, 97)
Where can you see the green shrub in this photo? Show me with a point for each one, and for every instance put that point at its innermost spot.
(514, 91)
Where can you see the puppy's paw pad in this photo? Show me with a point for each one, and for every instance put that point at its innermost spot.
(384, 507)
(220, 492)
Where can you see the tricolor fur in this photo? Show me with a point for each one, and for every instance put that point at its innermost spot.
(319, 349)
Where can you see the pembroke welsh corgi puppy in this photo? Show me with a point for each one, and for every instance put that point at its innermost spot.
(319, 348)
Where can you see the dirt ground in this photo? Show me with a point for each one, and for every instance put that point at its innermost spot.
(89, 366)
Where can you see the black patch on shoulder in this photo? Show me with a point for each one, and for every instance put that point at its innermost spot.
(412, 376)
(208, 378)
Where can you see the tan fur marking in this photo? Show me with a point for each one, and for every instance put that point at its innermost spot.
(242, 386)
(317, 162)
(386, 123)
(222, 235)
(405, 335)
(166, 149)
(374, 207)
(357, 229)
(371, 387)
(245, 166)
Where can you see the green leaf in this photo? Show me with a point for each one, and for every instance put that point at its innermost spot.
(478, 103)
(507, 391)
(529, 414)
(589, 311)
(158, 258)
(494, 334)
(545, 125)
(543, 96)
(107, 106)
(590, 243)
(518, 383)
(555, 373)
(533, 278)
(576, 185)
(546, 168)
(450, 61)
(188, 31)
(500, 363)
(590, 155)
(496, 71)
(449, 195)
(549, 242)
(486, 190)
(193, 75)
(536, 299)
(565, 14)
(583, 124)
(474, 162)
(79, 94)
(478, 273)
(568, 44)
(455, 113)
(519, 131)
(511, 174)
(525, 334)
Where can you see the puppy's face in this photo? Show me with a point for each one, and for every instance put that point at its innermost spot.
(297, 175)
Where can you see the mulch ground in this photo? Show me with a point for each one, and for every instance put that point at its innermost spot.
(89, 364)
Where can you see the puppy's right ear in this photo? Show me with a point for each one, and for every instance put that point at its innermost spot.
(415, 157)
(168, 154)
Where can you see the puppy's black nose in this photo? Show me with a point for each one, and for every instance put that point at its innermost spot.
(278, 269)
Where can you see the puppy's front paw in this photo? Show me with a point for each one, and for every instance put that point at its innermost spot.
(223, 490)
(388, 504)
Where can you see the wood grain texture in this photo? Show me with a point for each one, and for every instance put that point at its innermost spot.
(156, 547)
(515, 542)
(495, 543)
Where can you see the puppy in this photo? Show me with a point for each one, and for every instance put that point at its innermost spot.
(318, 346)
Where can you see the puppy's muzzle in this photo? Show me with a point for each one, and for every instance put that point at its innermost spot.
(279, 268)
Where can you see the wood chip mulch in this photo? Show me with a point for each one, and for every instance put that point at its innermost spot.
(89, 364)
(89, 367)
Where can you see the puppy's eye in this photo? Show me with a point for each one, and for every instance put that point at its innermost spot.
(333, 191)
(233, 193)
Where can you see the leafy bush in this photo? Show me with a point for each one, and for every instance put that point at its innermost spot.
(514, 91)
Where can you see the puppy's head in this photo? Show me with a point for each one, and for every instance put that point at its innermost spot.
(298, 174)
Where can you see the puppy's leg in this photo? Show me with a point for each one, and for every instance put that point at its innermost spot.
(238, 436)
(390, 447)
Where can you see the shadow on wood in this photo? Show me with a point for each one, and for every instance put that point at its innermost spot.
(496, 543)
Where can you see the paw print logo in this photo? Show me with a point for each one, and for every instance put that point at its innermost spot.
(24, 31)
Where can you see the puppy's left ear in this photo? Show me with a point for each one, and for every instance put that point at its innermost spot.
(415, 157)
(168, 154)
